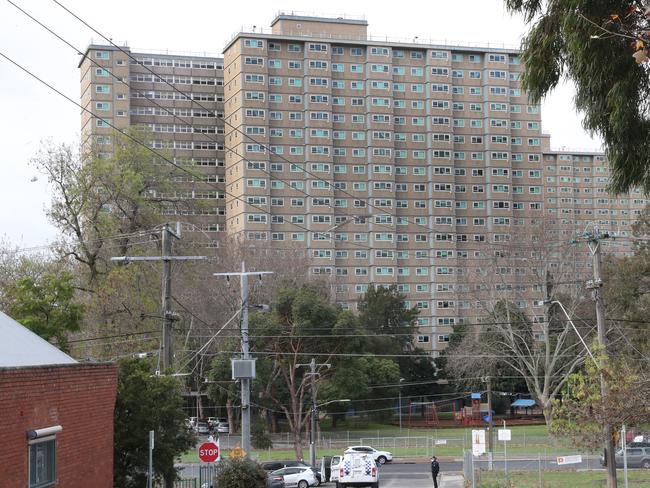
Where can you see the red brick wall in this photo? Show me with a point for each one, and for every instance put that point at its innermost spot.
(80, 398)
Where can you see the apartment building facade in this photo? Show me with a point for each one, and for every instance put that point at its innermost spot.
(179, 99)
(391, 163)
(387, 163)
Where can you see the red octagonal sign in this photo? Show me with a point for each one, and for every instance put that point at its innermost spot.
(208, 452)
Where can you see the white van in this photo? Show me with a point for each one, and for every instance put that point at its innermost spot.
(334, 470)
(358, 469)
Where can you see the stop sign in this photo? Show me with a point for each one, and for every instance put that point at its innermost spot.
(208, 452)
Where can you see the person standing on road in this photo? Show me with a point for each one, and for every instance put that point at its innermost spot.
(435, 469)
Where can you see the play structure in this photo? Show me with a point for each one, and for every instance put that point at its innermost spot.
(470, 415)
(426, 414)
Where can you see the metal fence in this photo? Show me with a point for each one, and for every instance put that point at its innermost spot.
(198, 476)
(468, 468)
(413, 442)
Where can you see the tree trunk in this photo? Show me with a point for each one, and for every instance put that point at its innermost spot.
(297, 443)
(547, 410)
(199, 399)
(231, 416)
(274, 423)
(169, 482)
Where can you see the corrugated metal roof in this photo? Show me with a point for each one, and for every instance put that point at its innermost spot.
(523, 402)
(19, 346)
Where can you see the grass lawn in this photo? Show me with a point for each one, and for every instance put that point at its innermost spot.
(560, 479)
(526, 440)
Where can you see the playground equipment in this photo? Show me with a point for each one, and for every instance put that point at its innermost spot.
(428, 413)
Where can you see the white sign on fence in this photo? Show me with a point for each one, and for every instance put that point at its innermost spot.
(504, 434)
(569, 460)
(478, 442)
(440, 442)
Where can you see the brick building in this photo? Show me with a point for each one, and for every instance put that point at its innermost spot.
(57, 426)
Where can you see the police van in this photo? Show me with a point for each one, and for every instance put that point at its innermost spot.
(357, 469)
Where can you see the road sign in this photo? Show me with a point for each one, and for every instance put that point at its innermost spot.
(569, 460)
(441, 442)
(209, 452)
(504, 434)
(237, 452)
(478, 442)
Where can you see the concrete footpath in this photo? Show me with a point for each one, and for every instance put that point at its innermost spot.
(452, 480)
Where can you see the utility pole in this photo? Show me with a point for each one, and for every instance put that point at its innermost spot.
(167, 297)
(595, 285)
(246, 378)
(167, 258)
(312, 431)
(400, 408)
(490, 423)
(151, 447)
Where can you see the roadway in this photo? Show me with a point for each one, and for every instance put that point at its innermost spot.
(417, 474)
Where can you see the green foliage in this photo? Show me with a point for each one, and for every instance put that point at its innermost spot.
(353, 379)
(95, 197)
(45, 305)
(146, 402)
(381, 311)
(627, 294)
(304, 322)
(241, 473)
(582, 411)
(565, 40)
(259, 436)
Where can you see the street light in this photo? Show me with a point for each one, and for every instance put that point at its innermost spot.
(400, 404)
(312, 440)
(344, 400)
(551, 302)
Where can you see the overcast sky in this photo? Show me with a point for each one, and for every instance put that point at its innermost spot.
(31, 113)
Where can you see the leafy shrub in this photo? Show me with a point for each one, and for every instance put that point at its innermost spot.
(259, 437)
(240, 473)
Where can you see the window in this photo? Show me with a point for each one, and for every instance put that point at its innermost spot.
(318, 47)
(42, 462)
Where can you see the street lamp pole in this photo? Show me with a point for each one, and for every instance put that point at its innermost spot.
(312, 431)
(400, 404)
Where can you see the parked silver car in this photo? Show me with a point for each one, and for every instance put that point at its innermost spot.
(637, 457)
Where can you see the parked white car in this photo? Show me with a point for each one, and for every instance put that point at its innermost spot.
(297, 476)
(380, 457)
(357, 469)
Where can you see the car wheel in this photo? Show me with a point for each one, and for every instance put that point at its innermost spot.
(303, 484)
(645, 463)
(381, 460)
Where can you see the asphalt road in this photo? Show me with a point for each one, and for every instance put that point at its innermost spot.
(418, 474)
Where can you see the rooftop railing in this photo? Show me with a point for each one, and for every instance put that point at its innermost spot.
(415, 40)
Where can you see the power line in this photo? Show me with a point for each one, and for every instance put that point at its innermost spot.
(172, 113)
(417, 354)
(99, 338)
(91, 241)
(151, 149)
(176, 89)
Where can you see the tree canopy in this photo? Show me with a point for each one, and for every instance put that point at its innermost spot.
(588, 42)
(146, 402)
(45, 304)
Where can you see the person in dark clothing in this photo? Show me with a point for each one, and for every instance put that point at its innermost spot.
(435, 469)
